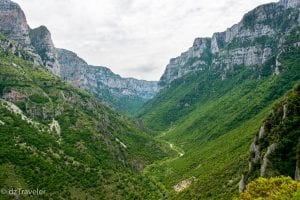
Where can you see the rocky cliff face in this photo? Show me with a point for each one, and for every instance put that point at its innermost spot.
(196, 58)
(251, 42)
(275, 148)
(37, 42)
(42, 42)
(72, 67)
(13, 22)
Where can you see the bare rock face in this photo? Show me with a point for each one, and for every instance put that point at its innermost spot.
(242, 184)
(13, 22)
(189, 61)
(119, 86)
(266, 162)
(37, 42)
(97, 79)
(72, 67)
(250, 43)
(42, 42)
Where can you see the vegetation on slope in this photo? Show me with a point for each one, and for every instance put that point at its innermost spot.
(275, 149)
(214, 121)
(58, 138)
(277, 188)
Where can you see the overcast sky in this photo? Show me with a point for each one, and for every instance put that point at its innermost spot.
(135, 38)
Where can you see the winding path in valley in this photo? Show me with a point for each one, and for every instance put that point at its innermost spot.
(180, 153)
(178, 150)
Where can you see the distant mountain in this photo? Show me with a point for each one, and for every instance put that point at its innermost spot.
(125, 94)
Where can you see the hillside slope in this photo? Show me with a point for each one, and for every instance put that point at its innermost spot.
(250, 49)
(213, 109)
(58, 138)
(216, 137)
(275, 149)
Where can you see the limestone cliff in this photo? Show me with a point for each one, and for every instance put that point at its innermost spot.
(13, 22)
(41, 40)
(250, 43)
(105, 84)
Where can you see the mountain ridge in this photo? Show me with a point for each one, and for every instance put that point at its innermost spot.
(13, 24)
(207, 50)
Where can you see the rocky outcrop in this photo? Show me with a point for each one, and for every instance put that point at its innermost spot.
(13, 25)
(55, 127)
(17, 49)
(251, 42)
(13, 22)
(41, 40)
(266, 162)
(242, 184)
(196, 58)
(275, 150)
(255, 152)
(184, 184)
(72, 67)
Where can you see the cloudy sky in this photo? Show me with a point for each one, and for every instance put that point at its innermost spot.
(135, 38)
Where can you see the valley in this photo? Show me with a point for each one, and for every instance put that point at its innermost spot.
(222, 121)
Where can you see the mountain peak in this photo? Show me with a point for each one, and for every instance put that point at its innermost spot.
(245, 43)
(41, 40)
(13, 23)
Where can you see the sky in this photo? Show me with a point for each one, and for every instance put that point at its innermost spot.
(134, 38)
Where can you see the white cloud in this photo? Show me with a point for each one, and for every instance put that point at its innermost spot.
(134, 38)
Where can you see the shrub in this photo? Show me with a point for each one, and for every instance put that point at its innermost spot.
(277, 188)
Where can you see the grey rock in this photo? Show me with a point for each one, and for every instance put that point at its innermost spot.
(262, 132)
(266, 162)
(180, 66)
(72, 67)
(41, 40)
(13, 22)
(255, 151)
(285, 112)
(242, 184)
(97, 79)
(246, 43)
